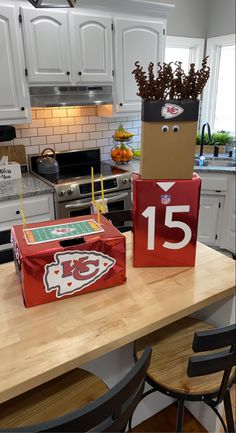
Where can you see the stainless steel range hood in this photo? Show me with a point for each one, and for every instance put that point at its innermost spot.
(52, 3)
(62, 96)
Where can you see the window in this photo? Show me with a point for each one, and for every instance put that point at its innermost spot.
(219, 98)
(185, 50)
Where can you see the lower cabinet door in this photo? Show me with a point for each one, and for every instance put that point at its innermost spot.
(210, 219)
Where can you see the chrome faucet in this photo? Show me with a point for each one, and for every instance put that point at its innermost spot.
(202, 143)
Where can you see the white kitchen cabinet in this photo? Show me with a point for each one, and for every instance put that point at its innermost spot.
(91, 48)
(228, 238)
(210, 219)
(47, 46)
(135, 40)
(14, 94)
(38, 208)
(217, 216)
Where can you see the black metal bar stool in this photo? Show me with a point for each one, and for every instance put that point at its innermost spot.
(76, 402)
(175, 372)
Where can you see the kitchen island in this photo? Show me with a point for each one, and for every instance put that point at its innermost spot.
(40, 343)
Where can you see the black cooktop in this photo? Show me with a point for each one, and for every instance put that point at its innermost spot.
(76, 166)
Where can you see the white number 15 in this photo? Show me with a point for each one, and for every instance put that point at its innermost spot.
(150, 213)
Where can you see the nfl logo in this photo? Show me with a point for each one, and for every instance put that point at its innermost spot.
(165, 199)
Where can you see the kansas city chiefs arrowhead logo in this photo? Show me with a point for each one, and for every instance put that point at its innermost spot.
(72, 271)
(169, 110)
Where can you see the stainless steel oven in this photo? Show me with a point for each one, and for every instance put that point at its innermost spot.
(115, 201)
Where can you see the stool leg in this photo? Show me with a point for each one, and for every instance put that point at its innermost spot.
(180, 416)
(229, 413)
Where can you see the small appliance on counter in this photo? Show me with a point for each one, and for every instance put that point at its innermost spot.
(7, 133)
(70, 176)
(47, 164)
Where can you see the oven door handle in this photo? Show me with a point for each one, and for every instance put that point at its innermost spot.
(116, 197)
(88, 203)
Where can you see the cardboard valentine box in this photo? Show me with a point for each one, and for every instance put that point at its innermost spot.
(63, 258)
(165, 219)
(168, 138)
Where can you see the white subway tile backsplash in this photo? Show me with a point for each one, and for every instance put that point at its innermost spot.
(73, 112)
(102, 127)
(42, 147)
(45, 131)
(38, 140)
(66, 121)
(60, 130)
(32, 150)
(29, 132)
(37, 123)
(88, 111)
(22, 126)
(82, 136)
(68, 137)
(136, 123)
(107, 134)
(53, 122)
(54, 139)
(60, 147)
(89, 128)
(73, 128)
(76, 145)
(95, 135)
(102, 142)
(95, 119)
(90, 143)
(81, 120)
(61, 112)
(43, 113)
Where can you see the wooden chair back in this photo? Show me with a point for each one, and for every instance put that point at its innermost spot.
(109, 413)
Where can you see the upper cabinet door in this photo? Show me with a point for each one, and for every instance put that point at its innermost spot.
(47, 46)
(91, 44)
(135, 40)
(14, 96)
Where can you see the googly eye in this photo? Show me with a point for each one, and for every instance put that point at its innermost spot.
(175, 128)
(165, 128)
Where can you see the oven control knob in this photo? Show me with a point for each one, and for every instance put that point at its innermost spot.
(124, 181)
(61, 193)
(70, 191)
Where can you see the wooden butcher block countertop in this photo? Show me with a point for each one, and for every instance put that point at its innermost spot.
(40, 343)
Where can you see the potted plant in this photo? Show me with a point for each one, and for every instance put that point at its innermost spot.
(219, 138)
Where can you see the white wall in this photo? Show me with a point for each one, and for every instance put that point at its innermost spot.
(189, 18)
(221, 17)
(201, 18)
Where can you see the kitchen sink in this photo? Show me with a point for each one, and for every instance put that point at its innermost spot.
(216, 162)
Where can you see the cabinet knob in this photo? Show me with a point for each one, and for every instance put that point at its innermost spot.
(121, 104)
(79, 73)
(68, 73)
(22, 108)
(17, 212)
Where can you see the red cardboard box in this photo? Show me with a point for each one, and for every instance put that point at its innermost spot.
(59, 269)
(165, 219)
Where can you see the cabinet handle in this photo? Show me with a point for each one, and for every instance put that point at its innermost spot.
(68, 73)
(79, 73)
(17, 212)
(121, 104)
(22, 108)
